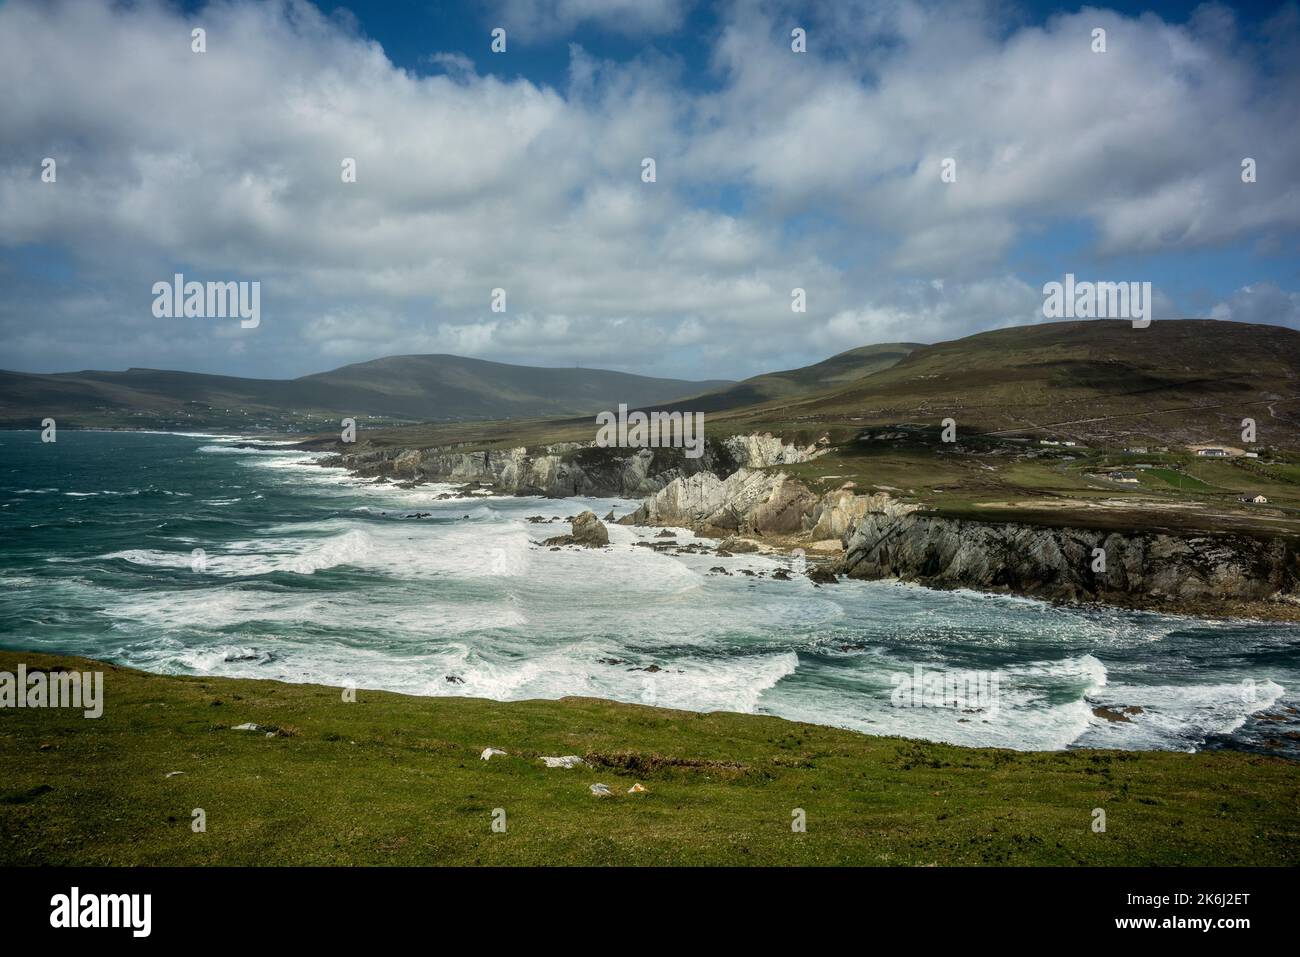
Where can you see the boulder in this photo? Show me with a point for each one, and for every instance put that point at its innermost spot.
(590, 531)
(822, 575)
(736, 545)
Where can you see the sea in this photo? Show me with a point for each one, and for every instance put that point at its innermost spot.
(197, 555)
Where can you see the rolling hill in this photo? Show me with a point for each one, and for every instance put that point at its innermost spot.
(822, 376)
(397, 389)
(1177, 381)
(1090, 380)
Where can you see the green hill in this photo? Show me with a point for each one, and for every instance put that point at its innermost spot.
(439, 388)
(1177, 380)
(820, 377)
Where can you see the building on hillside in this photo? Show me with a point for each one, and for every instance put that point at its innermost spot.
(1128, 478)
(1137, 450)
(1252, 455)
(1213, 453)
(1254, 498)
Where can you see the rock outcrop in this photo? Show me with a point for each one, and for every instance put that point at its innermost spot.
(746, 502)
(837, 512)
(883, 537)
(570, 468)
(732, 491)
(1140, 567)
(763, 451)
(587, 531)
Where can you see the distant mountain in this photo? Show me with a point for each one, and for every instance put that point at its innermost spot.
(432, 388)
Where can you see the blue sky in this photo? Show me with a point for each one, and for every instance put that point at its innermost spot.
(522, 171)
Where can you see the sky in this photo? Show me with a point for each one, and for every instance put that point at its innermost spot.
(522, 170)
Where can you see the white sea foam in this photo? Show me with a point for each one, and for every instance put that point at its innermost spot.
(468, 592)
(1178, 716)
(247, 450)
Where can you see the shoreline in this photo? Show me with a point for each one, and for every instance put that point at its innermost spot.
(842, 516)
(1106, 713)
(1207, 608)
(704, 552)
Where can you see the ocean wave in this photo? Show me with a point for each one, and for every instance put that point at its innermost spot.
(303, 557)
(246, 450)
(1178, 717)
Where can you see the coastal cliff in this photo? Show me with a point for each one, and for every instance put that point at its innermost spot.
(1140, 568)
(572, 468)
(882, 537)
(736, 489)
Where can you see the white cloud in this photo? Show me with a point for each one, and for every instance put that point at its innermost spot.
(1261, 302)
(227, 164)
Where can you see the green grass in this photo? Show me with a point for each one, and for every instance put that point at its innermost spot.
(1179, 480)
(397, 780)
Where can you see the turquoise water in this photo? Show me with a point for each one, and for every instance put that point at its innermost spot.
(311, 575)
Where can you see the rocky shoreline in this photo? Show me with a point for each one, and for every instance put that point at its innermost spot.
(570, 468)
(737, 491)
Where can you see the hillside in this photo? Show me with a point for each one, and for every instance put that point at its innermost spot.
(1176, 381)
(391, 779)
(1104, 387)
(400, 388)
(1091, 380)
(735, 401)
(820, 377)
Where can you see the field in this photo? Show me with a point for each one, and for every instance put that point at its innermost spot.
(391, 779)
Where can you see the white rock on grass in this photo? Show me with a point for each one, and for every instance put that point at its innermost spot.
(568, 761)
(488, 752)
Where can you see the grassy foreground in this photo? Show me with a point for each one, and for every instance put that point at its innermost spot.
(392, 779)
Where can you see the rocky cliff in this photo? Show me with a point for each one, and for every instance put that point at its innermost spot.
(746, 501)
(1149, 569)
(885, 538)
(566, 469)
(734, 490)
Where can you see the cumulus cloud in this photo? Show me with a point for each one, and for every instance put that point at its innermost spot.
(775, 171)
(1261, 302)
(1144, 140)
